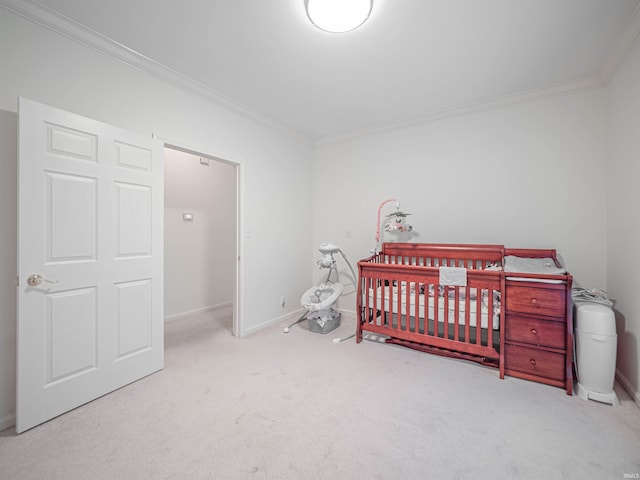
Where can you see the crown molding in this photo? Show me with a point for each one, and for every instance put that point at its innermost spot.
(591, 82)
(626, 42)
(51, 20)
(47, 18)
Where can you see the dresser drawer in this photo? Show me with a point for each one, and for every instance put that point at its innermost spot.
(534, 331)
(534, 362)
(538, 301)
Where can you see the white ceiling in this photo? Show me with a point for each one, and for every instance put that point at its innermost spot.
(412, 60)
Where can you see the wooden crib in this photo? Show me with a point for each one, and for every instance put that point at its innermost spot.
(401, 296)
(514, 320)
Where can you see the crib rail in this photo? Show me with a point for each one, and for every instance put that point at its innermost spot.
(470, 256)
(399, 296)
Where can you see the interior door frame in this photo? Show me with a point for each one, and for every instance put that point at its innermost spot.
(238, 323)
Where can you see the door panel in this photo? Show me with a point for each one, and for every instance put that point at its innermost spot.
(134, 220)
(71, 143)
(70, 314)
(90, 223)
(134, 317)
(71, 217)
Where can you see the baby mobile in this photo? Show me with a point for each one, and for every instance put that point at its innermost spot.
(395, 224)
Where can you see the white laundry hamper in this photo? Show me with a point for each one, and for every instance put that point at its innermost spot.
(596, 346)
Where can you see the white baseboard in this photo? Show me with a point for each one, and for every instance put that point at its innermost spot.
(7, 421)
(626, 384)
(292, 317)
(221, 309)
(287, 318)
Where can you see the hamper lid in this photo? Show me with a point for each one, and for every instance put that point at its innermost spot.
(595, 318)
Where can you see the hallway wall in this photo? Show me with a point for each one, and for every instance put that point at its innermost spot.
(199, 254)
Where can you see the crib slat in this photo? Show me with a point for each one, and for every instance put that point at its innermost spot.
(368, 311)
(445, 313)
(363, 297)
(374, 312)
(479, 295)
(399, 306)
(416, 312)
(383, 303)
(467, 313)
(491, 294)
(406, 301)
(456, 325)
(436, 311)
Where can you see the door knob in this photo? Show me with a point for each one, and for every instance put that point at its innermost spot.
(36, 279)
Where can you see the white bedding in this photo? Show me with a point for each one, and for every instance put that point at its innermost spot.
(391, 305)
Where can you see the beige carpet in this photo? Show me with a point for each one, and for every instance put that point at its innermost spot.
(298, 406)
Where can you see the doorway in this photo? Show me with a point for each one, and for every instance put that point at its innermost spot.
(200, 236)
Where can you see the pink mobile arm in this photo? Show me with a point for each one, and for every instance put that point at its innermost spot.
(378, 223)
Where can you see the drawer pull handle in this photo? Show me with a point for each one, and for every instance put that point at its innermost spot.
(534, 331)
(534, 301)
(532, 362)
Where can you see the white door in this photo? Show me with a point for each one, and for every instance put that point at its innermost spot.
(90, 261)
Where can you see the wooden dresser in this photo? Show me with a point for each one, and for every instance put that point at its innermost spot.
(537, 340)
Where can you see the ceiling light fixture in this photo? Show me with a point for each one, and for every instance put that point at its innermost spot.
(338, 16)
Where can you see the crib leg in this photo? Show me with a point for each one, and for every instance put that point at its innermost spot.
(359, 320)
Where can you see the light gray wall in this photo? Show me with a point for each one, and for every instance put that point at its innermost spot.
(526, 175)
(276, 168)
(199, 254)
(623, 217)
